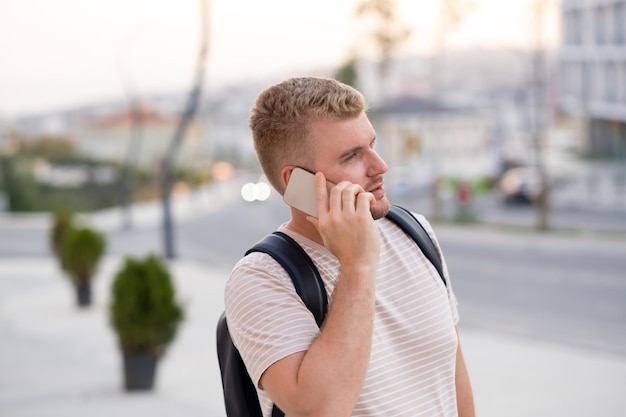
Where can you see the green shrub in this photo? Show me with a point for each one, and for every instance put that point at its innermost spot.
(144, 311)
(81, 251)
(62, 221)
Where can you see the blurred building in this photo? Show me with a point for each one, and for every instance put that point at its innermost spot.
(425, 140)
(593, 73)
(227, 134)
(108, 137)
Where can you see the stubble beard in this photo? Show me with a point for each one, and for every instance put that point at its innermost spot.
(380, 208)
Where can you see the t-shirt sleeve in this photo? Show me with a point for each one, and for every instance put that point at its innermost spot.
(266, 318)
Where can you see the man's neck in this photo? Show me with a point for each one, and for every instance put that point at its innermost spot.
(299, 224)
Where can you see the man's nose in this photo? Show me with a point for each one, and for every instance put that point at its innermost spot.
(378, 165)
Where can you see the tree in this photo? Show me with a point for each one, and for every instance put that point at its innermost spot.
(146, 315)
(167, 181)
(19, 184)
(347, 73)
(452, 13)
(81, 251)
(538, 109)
(388, 33)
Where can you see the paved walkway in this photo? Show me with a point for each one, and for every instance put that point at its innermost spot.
(59, 361)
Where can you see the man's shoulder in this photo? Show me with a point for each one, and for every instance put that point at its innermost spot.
(254, 267)
(255, 275)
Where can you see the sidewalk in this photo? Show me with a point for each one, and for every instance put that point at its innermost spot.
(58, 361)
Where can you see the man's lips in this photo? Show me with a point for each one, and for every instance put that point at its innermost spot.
(378, 190)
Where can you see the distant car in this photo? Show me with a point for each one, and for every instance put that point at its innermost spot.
(520, 185)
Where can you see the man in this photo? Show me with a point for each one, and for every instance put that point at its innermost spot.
(389, 344)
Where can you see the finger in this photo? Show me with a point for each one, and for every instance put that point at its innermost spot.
(321, 192)
(335, 202)
(349, 195)
(364, 201)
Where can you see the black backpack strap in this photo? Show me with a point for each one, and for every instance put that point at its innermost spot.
(407, 222)
(305, 276)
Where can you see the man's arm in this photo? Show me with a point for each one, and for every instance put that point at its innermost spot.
(326, 380)
(464, 395)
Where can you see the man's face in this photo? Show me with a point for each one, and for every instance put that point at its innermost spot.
(344, 151)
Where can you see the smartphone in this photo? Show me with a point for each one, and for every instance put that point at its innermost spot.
(300, 192)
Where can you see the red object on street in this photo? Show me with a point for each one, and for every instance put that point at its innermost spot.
(463, 193)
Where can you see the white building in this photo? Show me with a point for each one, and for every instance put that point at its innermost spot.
(593, 72)
(109, 137)
(426, 141)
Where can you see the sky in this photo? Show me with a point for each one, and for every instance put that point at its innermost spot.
(55, 54)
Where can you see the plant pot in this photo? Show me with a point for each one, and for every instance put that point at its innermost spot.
(83, 294)
(139, 371)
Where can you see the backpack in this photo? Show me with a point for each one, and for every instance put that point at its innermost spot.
(240, 396)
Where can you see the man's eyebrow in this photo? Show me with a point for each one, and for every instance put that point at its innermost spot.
(356, 149)
(350, 151)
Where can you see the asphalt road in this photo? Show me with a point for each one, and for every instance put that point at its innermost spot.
(566, 288)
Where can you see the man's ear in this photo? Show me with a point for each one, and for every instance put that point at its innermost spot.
(285, 173)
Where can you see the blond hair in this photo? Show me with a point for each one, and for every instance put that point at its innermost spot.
(281, 118)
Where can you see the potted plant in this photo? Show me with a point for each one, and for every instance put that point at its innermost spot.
(81, 251)
(145, 315)
(62, 221)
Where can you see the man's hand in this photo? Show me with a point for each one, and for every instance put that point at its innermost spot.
(346, 224)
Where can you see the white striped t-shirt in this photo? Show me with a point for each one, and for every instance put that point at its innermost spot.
(412, 363)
